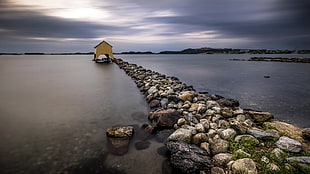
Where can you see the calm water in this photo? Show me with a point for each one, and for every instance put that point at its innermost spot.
(286, 94)
(54, 110)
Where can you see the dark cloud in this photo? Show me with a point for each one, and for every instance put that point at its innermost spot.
(276, 24)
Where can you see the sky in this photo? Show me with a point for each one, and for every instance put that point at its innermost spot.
(53, 26)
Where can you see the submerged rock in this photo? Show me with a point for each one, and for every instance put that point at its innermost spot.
(188, 158)
(119, 138)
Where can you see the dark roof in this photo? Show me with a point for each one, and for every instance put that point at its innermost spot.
(101, 43)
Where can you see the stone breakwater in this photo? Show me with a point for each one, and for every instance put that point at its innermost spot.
(213, 134)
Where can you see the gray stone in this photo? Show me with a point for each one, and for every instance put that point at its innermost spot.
(227, 133)
(244, 165)
(181, 135)
(226, 112)
(306, 133)
(288, 144)
(218, 146)
(188, 158)
(260, 134)
(211, 104)
(164, 118)
(206, 123)
(303, 161)
(222, 159)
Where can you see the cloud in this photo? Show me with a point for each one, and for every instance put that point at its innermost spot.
(160, 25)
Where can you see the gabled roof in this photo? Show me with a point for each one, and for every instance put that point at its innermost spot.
(101, 43)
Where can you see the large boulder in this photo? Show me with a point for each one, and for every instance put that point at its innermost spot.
(189, 158)
(288, 144)
(244, 165)
(259, 116)
(119, 138)
(164, 118)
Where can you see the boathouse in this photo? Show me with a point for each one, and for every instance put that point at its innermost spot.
(103, 48)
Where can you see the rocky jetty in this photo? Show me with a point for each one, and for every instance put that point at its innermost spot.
(275, 59)
(213, 134)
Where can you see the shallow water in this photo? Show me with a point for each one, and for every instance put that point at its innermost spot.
(286, 94)
(54, 111)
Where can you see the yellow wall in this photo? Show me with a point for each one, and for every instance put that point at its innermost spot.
(104, 48)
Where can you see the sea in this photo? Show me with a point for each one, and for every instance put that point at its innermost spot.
(55, 109)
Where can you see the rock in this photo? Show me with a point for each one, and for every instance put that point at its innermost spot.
(238, 126)
(187, 96)
(211, 133)
(181, 122)
(119, 138)
(211, 104)
(227, 133)
(205, 123)
(188, 158)
(144, 131)
(142, 145)
(259, 116)
(306, 133)
(288, 144)
(165, 118)
(154, 104)
(163, 151)
(217, 170)
(265, 159)
(303, 161)
(218, 146)
(224, 102)
(206, 147)
(222, 159)
(120, 131)
(199, 127)
(181, 135)
(162, 135)
(227, 113)
(260, 134)
(164, 103)
(244, 165)
(223, 124)
(199, 138)
(152, 90)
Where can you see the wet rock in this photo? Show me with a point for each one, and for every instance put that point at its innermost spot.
(119, 138)
(165, 118)
(306, 133)
(222, 159)
(142, 145)
(187, 96)
(163, 151)
(288, 144)
(224, 102)
(259, 116)
(181, 135)
(188, 158)
(244, 165)
(162, 135)
(145, 131)
(154, 104)
(260, 134)
(218, 146)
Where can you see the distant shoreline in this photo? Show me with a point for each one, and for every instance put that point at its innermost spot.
(205, 50)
